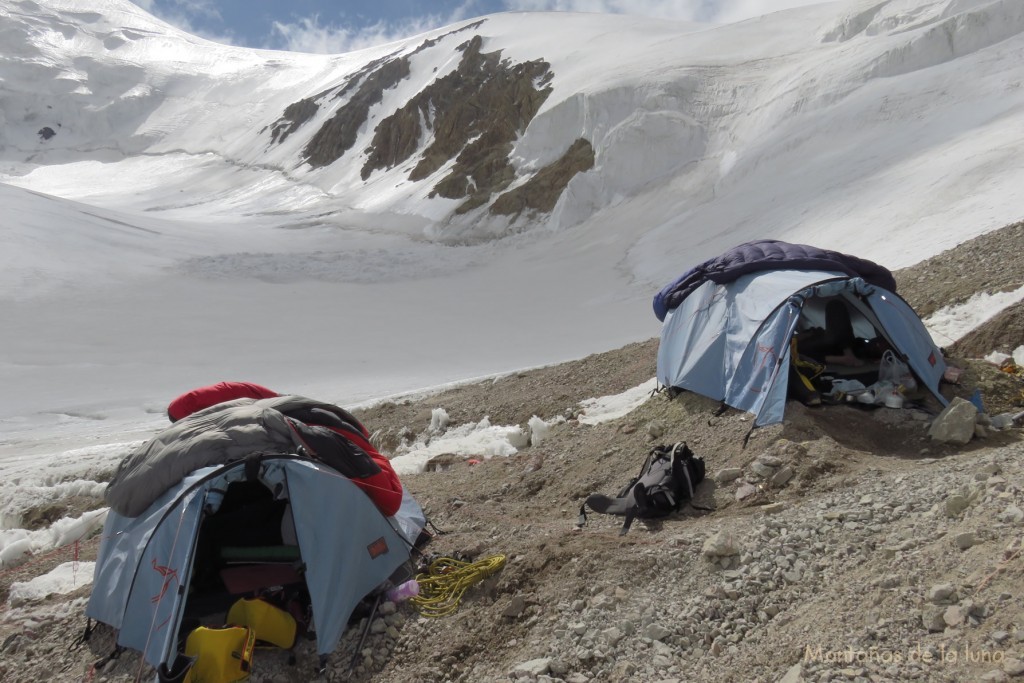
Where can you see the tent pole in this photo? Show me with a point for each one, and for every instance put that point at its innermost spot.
(366, 631)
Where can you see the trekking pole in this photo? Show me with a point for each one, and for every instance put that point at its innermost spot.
(366, 632)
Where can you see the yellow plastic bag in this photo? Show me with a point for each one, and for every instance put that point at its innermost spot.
(270, 624)
(223, 655)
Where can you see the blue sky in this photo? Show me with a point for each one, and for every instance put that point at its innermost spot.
(327, 26)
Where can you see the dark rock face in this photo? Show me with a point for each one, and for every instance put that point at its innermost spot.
(475, 113)
(46, 132)
(472, 117)
(339, 133)
(295, 114)
(541, 192)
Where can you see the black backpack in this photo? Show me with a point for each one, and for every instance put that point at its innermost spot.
(667, 480)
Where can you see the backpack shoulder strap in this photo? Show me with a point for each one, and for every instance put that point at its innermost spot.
(631, 515)
(685, 454)
(681, 452)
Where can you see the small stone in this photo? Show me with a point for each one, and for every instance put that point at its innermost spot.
(612, 635)
(782, 477)
(745, 491)
(720, 545)
(996, 482)
(1012, 515)
(954, 615)
(1013, 666)
(942, 593)
(656, 632)
(931, 619)
(728, 474)
(558, 667)
(534, 667)
(515, 608)
(965, 540)
(794, 675)
(955, 505)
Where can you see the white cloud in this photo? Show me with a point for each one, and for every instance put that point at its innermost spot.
(717, 11)
(201, 8)
(309, 35)
(190, 16)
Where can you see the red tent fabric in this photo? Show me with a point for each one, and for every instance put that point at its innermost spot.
(204, 397)
(383, 488)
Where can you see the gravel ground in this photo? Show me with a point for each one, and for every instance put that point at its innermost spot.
(842, 545)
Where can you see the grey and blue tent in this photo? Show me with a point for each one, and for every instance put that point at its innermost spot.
(727, 323)
(254, 500)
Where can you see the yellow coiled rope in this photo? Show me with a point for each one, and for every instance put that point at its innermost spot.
(447, 579)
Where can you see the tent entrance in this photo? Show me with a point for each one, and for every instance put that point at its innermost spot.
(246, 548)
(841, 332)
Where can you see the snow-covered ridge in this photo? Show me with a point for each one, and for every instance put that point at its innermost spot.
(673, 104)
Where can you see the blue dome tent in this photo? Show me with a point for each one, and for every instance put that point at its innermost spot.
(727, 323)
(257, 506)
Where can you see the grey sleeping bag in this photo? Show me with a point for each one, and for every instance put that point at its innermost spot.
(216, 435)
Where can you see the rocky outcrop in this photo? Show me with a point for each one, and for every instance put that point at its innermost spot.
(338, 134)
(295, 114)
(474, 114)
(541, 192)
(471, 116)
